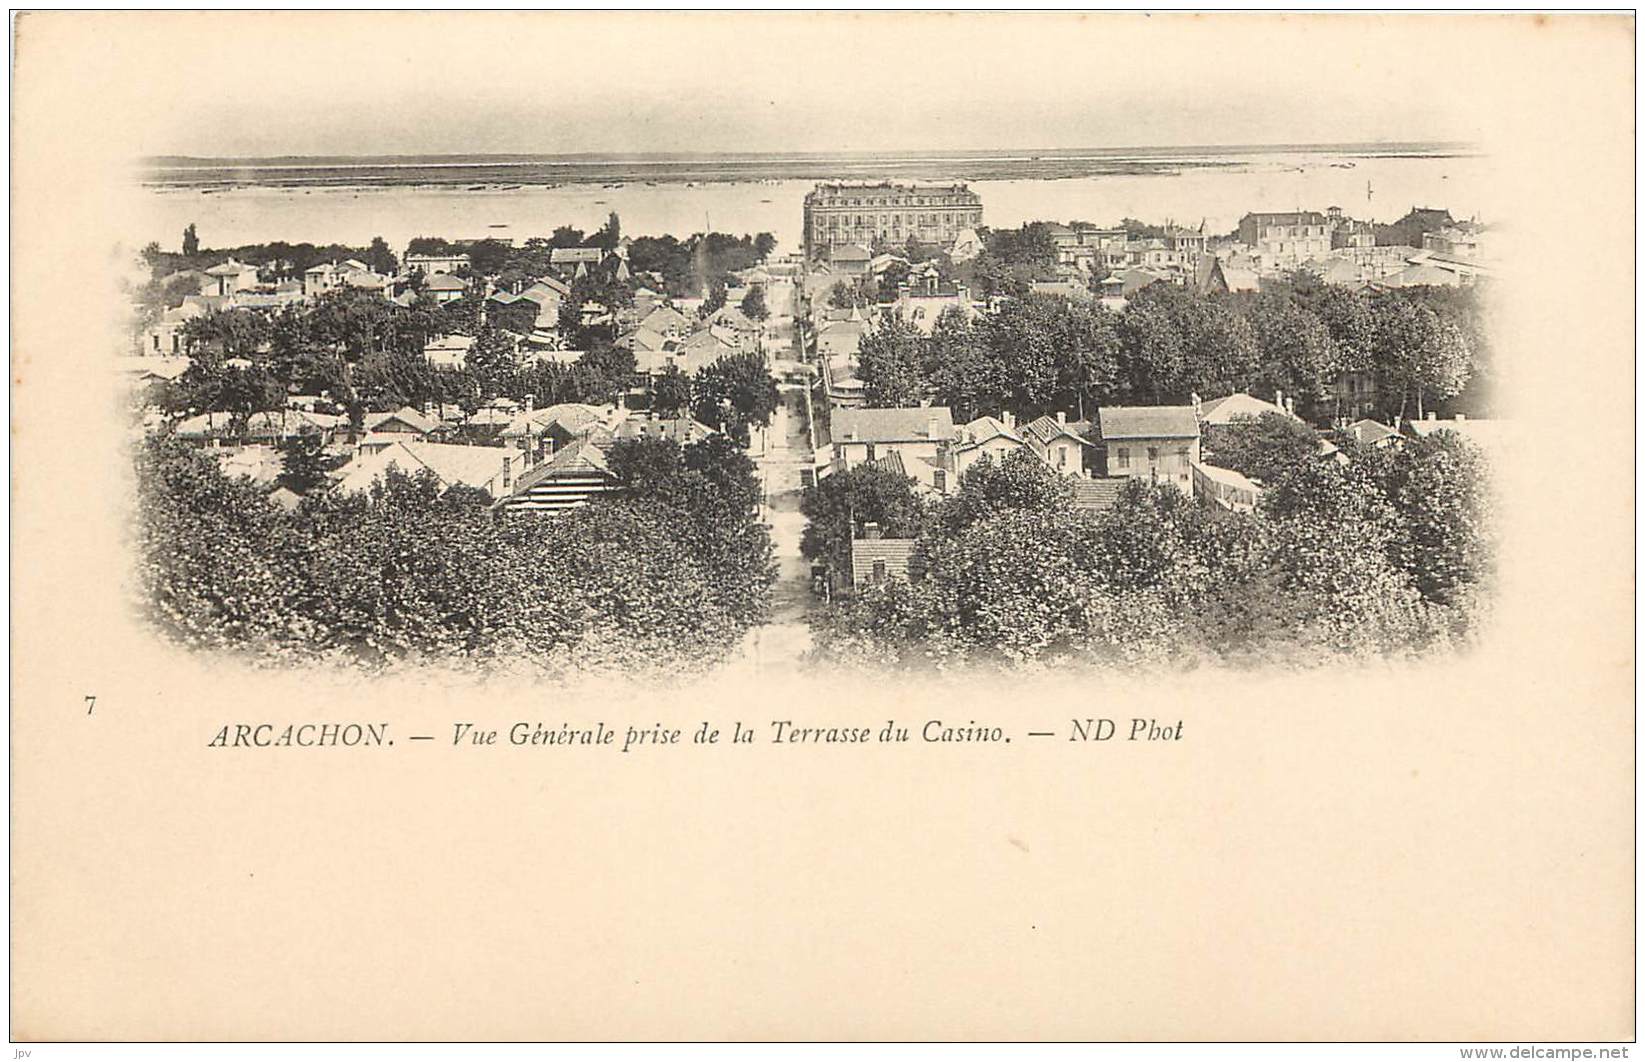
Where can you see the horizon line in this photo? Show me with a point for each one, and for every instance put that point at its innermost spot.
(831, 153)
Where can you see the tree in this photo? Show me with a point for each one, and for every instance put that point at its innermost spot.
(566, 236)
(891, 280)
(380, 258)
(491, 361)
(191, 241)
(753, 303)
(1439, 489)
(964, 372)
(734, 392)
(1426, 356)
(1263, 448)
(487, 257)
(1024, 340)
(715, 300)
(670, 392)
(1019, 482)
(1029, 245)
(840, 504)
(303, 462)
(409, 571)
(890, 362)
(1153, 350)
(1298, 354)
(609, 234)
(843, 295)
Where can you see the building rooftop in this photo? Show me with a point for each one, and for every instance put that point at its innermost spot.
(1223, 410)
(1369, 432)
(1096, 495)
(917, 424)
(575, 254)
(1147, 422)
(895, 554)
(1045, 430)
(984, 429)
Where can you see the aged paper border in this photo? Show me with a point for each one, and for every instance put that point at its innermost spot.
(1437, 852)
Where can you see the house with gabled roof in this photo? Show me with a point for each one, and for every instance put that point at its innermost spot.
(703, 348)
(443, 287)
(1374, 433)
(989, 437)
(231, 277)
(1057, 444)
(405, 421)
(682, 430)
(572, 477)
(541, 432)
(1160, 444)
(668, 322)
(1225, 410)
(914, 433)
(850, 259)
(930, 475)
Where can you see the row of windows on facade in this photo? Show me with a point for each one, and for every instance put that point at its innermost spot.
(919, 200)
(860, 221)
(1122, 455)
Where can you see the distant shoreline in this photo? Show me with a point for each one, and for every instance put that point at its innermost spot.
(494, 172)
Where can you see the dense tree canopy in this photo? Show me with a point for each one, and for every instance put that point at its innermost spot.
(408, 573)
(1040, 353)
(1387, 554)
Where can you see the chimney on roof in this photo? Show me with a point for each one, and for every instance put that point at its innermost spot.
(871, 530)
(930, 425)
(1195, 401)
(1062, 417)
(1009, 419)
(1279, 398)
(530, 402)
(964, 295)
(1431, 416)
(1291, 406)
(1462, 416)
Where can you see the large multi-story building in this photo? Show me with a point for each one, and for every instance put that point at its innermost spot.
(838, 214)
(1287, 238)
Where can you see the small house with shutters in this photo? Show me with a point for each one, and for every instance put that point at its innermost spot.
(1160, 444)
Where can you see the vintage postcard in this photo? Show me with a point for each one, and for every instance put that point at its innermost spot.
(822, 525)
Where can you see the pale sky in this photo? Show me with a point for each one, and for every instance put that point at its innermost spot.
(315, 83)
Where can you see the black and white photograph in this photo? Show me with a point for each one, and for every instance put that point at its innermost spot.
(1159, 406)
